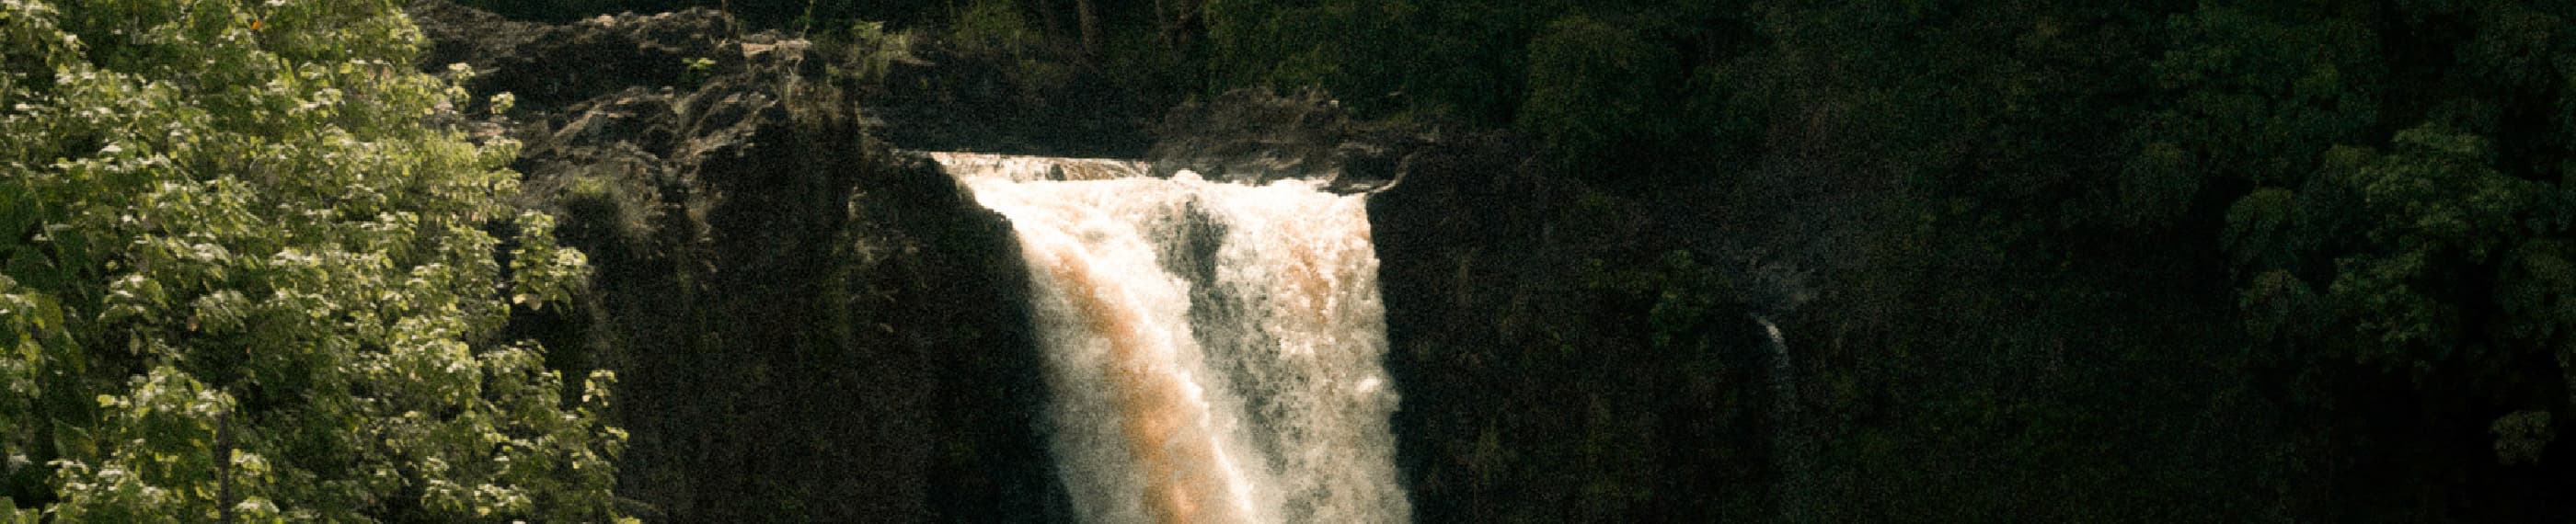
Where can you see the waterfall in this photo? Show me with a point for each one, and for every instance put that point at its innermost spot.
(1214, 349)
(1789, 452)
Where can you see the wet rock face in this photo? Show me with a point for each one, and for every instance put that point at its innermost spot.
(807, 326)
(1257, 136)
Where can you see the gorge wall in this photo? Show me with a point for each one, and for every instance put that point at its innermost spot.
(2054, 280)
(807, 325)
(811, 325)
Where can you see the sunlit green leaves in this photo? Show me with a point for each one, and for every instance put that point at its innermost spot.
(241, 277)
(541, 271)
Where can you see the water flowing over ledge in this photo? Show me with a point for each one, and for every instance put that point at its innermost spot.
(1214, 349)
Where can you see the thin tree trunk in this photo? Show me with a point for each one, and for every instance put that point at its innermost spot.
(1090, 27)
(1163, 23)
(1050, 24)
(224, 468)
(1184, 24)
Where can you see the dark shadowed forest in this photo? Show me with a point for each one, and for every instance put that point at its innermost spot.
(2028, 261)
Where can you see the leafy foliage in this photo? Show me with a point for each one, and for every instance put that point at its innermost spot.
(245, 279)
(1594, 89)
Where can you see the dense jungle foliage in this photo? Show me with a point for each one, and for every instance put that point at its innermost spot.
(2222, 260)
(2041, 260)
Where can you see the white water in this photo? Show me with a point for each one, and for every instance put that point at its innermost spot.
(1214, 349)
(1789, 453)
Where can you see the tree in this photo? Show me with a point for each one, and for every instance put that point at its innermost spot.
(1089, 20)
(244, 276)
(1595, 90)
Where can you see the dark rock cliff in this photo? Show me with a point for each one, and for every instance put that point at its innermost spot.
(810, 326)
(1548, 377)
(807, 326)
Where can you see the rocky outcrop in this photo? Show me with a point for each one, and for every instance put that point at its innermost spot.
(958, 96)
(1256, 136)
(807, 325)
(550, 65)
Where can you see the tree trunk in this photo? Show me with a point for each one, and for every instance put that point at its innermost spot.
(1050, 24)
(223, 467)
(1163, 23)
(1090, 27)
(1184, 23)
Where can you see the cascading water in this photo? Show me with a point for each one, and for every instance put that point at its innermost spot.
(1214, 348)
(1789, 453)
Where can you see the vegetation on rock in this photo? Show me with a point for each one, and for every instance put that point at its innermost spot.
(807, 325)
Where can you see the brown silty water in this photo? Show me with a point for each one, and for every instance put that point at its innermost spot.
(1269, 405)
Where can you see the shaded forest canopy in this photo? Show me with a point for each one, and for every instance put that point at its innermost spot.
(2230, 260)
(2224, 260)
(2227, 260)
